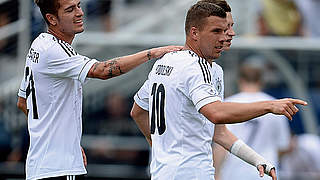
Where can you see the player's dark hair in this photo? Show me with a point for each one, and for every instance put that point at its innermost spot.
(197, 14)
(221, 3)
(48, 6)
(250, 74)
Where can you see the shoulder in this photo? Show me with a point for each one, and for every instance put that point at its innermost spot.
(182, 61)
(48, 45)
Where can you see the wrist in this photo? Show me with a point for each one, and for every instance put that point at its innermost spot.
(268, 106)
(149, 55)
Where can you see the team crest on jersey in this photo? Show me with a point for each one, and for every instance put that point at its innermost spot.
(218, 85)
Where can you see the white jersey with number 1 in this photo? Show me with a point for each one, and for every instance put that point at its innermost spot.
(52, 85)
(179, 84)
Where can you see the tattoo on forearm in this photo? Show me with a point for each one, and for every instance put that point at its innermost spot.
(113, 67)
(95, 66)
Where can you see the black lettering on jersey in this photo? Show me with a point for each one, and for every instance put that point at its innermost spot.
(164, 70)
(205, 70)
(33, 55)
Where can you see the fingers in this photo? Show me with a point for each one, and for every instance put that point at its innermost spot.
(287, 115)
(158, 52)
(298, 101)
(261, 170)
(84, 157)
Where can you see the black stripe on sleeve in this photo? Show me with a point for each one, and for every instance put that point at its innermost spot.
(65, 50)
(204, 99)
(83, 68)
(207, 69)
(202, 69)
(205, 66)
(69, 48)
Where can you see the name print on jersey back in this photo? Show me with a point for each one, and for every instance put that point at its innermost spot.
(164, 70)
(33, 55)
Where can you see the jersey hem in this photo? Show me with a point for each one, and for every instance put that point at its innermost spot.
(59, 173)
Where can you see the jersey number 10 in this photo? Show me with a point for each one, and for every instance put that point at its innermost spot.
(157, 114)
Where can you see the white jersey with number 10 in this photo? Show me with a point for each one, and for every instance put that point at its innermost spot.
(179, 84)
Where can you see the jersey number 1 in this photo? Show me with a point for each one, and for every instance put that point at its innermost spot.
(31, 90)
(157, 113)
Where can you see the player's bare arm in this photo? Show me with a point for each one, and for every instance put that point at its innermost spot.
(22, 105)
(121, 65)
(229, 112)
(230, 142)
(141, 118)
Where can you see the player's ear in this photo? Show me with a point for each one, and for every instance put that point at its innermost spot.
(194, 33)
(53, 20)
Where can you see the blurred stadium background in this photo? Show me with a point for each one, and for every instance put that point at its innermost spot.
(115, 148)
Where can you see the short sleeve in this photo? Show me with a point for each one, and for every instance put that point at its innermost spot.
(22, 90)
(198, 85)
(141, 98)
(75, 67)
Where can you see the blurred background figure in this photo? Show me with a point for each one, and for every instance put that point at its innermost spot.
(279, 18)
(302, 159)
(8, 14)
(310, 11)
(268, 135)
(105, 8)
(113, 120)
(5, 137)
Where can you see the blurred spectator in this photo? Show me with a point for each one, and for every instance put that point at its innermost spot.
(310, 11)
(37, 23)
(105, 10)
(279, 18)
(8, 14)
(114, 120)
(19, 152)
(304, 157)
(5, 137)
(115, 117)
(268, 135)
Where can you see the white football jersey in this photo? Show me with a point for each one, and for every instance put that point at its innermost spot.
(179, 84)
(266, 135)
(52, 85)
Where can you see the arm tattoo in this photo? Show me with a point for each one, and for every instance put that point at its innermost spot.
(95, 66)
(113, 66)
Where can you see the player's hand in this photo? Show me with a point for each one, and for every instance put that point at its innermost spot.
(158, 52)
(272, 172)
(84, 157)
(286, 107)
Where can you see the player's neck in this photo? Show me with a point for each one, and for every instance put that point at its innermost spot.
(190, 46)
(62, 36)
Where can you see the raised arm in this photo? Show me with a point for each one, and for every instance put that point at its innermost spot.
(229, 112)
(141, 118)
(230, 142)
(121, 65)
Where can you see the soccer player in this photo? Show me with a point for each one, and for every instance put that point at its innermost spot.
(269, 142)
(184, 104)
(51, 91)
